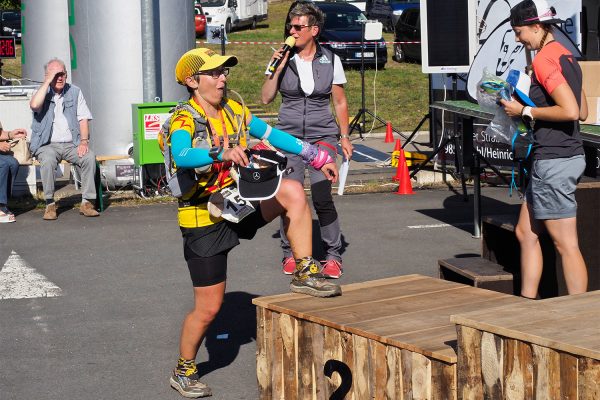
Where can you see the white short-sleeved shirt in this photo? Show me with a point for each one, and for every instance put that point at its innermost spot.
(307, 81)
(61, 132)
(305, 72)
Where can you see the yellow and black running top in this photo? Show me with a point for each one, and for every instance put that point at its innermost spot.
(227, 130)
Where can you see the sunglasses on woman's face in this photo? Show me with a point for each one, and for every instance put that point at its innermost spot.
(215, 73)
(297, 27)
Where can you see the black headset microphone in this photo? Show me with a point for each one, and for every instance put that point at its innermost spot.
(289, 43)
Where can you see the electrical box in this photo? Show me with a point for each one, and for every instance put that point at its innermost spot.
(147, 119)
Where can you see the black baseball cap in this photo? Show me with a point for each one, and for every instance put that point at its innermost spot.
(531, 12)
(262, 178)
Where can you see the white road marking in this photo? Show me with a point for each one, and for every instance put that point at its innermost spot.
(18, 280)
(438, 225)
(367, 156)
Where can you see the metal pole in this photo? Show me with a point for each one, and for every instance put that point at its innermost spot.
(362, 79)
(222, 36)
(476, 200)
(148, 51)
(222, 40)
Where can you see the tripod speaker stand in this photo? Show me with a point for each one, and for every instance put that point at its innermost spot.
(359, 120)
(426, 117)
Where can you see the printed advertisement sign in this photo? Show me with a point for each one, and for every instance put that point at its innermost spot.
(152, 125)
(499, 52)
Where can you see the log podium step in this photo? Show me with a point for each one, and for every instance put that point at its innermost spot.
(386, 339)
(547, 349)
(478, 272)
(500, 244)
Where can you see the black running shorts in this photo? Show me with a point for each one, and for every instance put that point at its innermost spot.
(205, 249)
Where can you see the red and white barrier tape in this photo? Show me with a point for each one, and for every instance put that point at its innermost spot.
(280, 44)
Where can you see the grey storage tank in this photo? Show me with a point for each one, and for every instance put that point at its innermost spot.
(45, 35)
(106, 62)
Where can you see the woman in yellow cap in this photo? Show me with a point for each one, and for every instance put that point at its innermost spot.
(206, 136)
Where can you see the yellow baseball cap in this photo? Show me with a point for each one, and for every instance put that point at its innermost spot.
(201, 59)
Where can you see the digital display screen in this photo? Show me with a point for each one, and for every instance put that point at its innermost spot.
(7, 47)
(448, 32)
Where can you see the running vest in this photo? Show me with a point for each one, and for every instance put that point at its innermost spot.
(192, 211)
(303, 116)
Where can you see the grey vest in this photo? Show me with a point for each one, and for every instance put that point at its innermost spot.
(308, 117)
(41, 127)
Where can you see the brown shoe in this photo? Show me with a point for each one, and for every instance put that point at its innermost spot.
(50, 213)
(88, 210)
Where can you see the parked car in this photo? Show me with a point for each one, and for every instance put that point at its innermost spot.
(10, 24)
(199, 20)
(388, 11)
(408, 29)
(235, 13)
(360, 4)
(342, 34)
(399, 6)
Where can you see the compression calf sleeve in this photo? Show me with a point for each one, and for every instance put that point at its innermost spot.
(186, 367)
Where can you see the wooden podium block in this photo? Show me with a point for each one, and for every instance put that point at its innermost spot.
(385, 339)
(477, 271)
(548, 349)
(500, 245)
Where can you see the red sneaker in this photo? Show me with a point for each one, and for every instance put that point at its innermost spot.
(332, 269)
(289, 265)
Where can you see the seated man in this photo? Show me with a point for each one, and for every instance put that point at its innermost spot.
(59, 132)
(9, 166)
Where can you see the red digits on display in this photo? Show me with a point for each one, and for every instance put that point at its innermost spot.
(7, 48)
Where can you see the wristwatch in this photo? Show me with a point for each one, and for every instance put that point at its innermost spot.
(214, 152)
(526, 114)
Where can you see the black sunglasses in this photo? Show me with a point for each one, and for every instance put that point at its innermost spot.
(297, 27)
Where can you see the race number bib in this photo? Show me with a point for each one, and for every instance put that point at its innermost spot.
(228, 204)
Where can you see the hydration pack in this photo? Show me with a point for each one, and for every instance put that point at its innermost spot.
(182, 181)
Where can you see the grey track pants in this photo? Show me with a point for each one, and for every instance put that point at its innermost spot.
(53, 153)
(323, 203)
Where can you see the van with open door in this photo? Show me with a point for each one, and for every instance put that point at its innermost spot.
(234, 13)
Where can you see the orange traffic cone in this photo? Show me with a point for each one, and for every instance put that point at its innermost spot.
(389, 135)
(404, 185)
(396, 153)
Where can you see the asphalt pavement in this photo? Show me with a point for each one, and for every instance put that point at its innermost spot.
(123, 289)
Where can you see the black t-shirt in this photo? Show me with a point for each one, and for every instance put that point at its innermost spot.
(553, 66)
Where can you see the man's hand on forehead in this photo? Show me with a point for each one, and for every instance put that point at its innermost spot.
(55, 69)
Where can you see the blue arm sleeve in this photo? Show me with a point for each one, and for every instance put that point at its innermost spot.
(280, 139)
(184, 155)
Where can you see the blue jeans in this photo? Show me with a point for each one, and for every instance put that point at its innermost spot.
(9, 166)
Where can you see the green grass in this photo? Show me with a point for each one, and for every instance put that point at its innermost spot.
(11, 67)
(400, 89)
